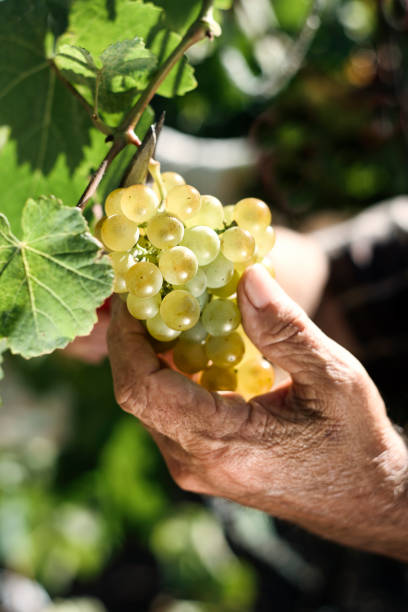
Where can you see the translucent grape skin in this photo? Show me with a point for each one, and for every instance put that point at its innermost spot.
(178, 265)
(221, 317)
(144, 279)
(190, 357)
(180, 310)
(229, 214)
(252, 214)
(219, 272)
(219, 379)
(139, 203)
(229, 289)
(160, 331)
(143, 308)
(112, 203)
(170, 180)
(211, 214)
(118, 233)
(197, 334)
(237, 245)
(183, 201)
(265, 240)
(165, 231)
(197, 285)
(204, 243)
(255, 377)
(225, 351)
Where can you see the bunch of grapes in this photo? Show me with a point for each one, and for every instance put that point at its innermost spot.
(178, 258)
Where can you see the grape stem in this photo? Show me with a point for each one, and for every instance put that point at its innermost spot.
(203, 27)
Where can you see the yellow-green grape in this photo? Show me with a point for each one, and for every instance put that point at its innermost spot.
(139, 203)
(204, 243)
(229, 214)
(229, 289)
(119, 284)
(197, 285)
(197, 334)
(221, 317)
(183, 201)
(225, 351)
(178, 265)
(255, 377)
(165, 231)
(203, 300)
(144, 279)
(121, 261)
(97, 229)
(180, 310)
(211, 213)
(219, 379)
(190, 357)
(170, 180)
(118, 233)
(237, 245)
(242, 266)
(160, 331)
(265, 240)
(112, 203)
(219, 272)
(268, 265)
(143, 308)
(252, 214)
(251, 352)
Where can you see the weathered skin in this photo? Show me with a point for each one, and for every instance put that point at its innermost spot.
(319, 450)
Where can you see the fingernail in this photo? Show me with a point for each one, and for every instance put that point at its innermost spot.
(258, 286)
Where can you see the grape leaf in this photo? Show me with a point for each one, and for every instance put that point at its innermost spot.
(45, 119)
(128, 20)
(52, 281)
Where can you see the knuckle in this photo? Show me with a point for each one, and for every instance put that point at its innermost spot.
(285, 330)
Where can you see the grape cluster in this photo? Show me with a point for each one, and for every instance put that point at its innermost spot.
(178, 257)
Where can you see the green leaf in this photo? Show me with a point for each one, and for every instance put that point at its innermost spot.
(52, 281)
(130, 19)
(44, 117)
(224, 5)
(3, 348)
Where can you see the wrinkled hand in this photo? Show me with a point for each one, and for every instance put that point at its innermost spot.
(319, 450)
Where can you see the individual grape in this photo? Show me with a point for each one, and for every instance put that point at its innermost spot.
(219, 272)
(221, 317)
(251, 351)
(265, 240)
(119, 284)
(178, 265)
(143, 308)
(97, 229)
(268, 265)
(160, 331)
(118, 233)
(121, 262)
(252, 214)
(165, 231)
(183, 201)
(211, 214)
(204, 243)
(170, 180)
(237, 245)
(144, 279)
(229, 289)
(112, 203)
(197, 334)
(190, 357)
(219, 379)
(203, 300)
(255, 377)
(180, 310)
(241, 267)
(229, 214)
(225, 351)
(197, 285)
(139, 203)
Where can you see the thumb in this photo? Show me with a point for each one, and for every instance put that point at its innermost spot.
(281, 329)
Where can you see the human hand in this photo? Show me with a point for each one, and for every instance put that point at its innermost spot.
(319, 450)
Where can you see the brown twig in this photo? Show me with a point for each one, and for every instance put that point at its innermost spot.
(93, 185)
